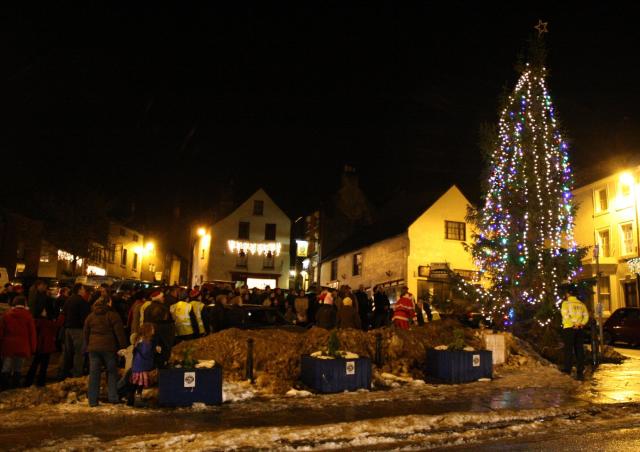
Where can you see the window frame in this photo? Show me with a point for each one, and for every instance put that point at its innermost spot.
(623, 249)
(356, 267)
(266, 230)
(457, 223)
(334, 270)
(258, 212)
(124, 257)
(134, 262)
(597, 205)
(600, 243)
(240, 230)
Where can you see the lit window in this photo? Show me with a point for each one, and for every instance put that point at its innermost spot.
(601, 200)
(626, 239)
(605, 293)
(357, 264)
(603, 243)
(455, 230)
(268, 261)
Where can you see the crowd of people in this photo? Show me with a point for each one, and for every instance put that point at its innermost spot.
(99, 330)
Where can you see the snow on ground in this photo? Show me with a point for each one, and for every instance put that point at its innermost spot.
(237, 391)
(399, 432)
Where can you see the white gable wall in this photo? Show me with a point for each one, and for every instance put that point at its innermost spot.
(427, 242)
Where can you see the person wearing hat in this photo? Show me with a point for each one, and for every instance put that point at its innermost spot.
(574, 317)
(326, 314)
(347, 316)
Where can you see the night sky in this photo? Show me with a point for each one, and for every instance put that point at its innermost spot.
(166, 105)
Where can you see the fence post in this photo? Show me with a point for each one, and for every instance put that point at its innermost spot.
(249, 368)
(378, 358)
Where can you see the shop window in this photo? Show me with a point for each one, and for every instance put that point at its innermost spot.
(243, 230)
(455, 230)
(357, 264)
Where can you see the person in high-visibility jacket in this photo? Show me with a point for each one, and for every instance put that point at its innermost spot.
(574, 318)
(197, 306)
(404, 310)
(184, 319)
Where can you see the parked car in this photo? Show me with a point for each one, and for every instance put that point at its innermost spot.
(623, 326)
(249, 317)
(132, 285)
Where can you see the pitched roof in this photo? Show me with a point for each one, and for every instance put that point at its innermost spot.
(392, 219)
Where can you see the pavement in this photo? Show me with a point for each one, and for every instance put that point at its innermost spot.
(535, 408)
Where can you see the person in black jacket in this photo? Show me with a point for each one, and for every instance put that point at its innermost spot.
(75, 310)
(382, 308)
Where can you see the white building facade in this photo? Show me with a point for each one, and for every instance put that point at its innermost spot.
(251, 246)
(607, 216)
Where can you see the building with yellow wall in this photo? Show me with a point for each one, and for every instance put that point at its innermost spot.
(608, 217)
(250, 245)
(414, 242)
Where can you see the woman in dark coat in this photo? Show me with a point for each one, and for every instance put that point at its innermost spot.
(347, 316)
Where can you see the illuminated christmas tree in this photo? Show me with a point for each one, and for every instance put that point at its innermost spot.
(524, 241)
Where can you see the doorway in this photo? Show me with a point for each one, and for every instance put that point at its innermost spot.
(630, 291)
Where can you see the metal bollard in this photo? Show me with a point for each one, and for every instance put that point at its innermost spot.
(378, 358)
(249, 369)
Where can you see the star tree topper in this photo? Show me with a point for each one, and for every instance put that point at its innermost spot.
(541, 27)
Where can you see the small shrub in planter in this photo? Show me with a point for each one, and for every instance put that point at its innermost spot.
(335, 370)
(189, 382)
(457, 365)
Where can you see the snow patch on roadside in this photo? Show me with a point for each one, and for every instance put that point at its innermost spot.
(237, 391)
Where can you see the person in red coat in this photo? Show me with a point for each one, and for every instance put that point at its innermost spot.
(47, 326)
(404, 310)
(17, 341)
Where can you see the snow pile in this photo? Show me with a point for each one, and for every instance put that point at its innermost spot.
(70, 390)
(298, 393)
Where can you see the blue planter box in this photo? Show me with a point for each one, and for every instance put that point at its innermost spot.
(336, 375)
(453, 366)
(182, 387)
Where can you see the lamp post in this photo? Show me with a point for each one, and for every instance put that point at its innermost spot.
(200, 232)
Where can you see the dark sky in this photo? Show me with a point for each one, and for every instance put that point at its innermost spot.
(145, 101)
